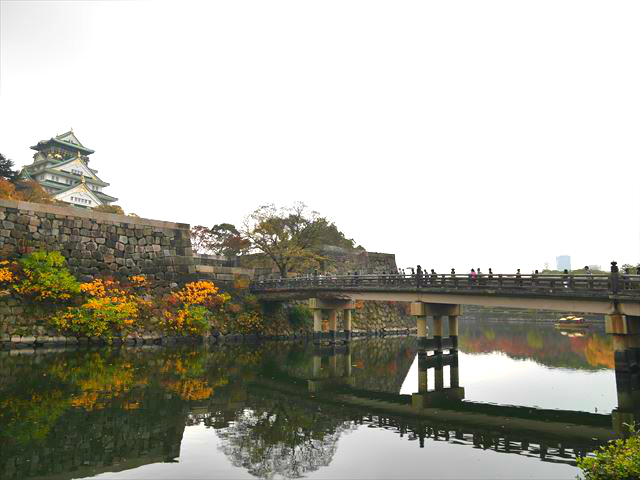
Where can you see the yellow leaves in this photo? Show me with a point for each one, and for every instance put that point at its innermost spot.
(191, 389)
(197, 293)
(6, 275)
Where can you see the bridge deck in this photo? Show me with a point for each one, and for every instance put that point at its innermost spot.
(581, 293)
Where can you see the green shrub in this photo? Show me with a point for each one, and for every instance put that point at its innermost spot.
(300, 316)
(618, 460)
(45, 277)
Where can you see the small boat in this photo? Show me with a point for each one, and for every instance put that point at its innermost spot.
(571, 321)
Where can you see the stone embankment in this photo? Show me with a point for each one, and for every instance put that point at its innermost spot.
(99, 244)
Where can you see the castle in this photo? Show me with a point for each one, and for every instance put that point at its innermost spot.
(61, 166)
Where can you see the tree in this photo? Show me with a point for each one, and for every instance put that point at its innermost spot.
(222, 239)
(7, 190)
(201, 239)
(227, 241)
(328, 234)
(286, 235)
(32, 191)
(117, 209)
(6, 169)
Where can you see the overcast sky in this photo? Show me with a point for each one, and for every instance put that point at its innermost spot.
(451, 133)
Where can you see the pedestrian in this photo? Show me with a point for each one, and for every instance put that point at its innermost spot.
(473, 275)
(625, 277)
(518, 278)
(614, 276)
(453, 271)
(418, 275)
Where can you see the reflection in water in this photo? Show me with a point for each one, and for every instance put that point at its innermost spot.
(281, 409)
(545, 345)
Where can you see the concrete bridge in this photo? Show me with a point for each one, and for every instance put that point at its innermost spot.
(617, 296)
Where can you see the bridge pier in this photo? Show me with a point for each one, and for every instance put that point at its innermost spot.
(346, 320)
(421, 310)
(317, 325)
(625, 330)
(331, 305)
(437, 332)
(453, 331)
(333, 323)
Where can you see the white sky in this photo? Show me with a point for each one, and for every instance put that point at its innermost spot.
(452, 133)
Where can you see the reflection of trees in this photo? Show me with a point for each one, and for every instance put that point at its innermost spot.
(281, 438)
(541, 343)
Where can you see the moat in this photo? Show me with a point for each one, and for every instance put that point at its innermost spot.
(528, 399)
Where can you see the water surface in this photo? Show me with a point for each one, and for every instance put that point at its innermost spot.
(533, 398)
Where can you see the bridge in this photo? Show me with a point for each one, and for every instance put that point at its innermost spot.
(617, 296)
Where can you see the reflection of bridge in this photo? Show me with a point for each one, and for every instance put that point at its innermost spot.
(441, 413)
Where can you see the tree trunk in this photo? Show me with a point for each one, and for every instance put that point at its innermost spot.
(283, 271)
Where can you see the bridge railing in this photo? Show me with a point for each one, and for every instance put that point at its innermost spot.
(517, 282)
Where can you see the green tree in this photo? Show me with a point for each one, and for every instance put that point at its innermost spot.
(6, 169)
(620, 459)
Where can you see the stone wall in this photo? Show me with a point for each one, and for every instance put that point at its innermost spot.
(97, 243)
(342, 261)
(221, 270)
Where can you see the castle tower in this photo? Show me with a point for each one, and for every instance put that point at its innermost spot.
(61, 166)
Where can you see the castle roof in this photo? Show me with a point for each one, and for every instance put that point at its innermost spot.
(67, 140)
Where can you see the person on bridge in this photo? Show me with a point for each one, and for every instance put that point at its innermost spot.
(518, 278)
(473, 276)
(434, 277)
(490, 273)
(614, 276)
(625, 277)
(418, 276)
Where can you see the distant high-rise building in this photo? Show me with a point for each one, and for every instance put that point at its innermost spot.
(563, 262)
